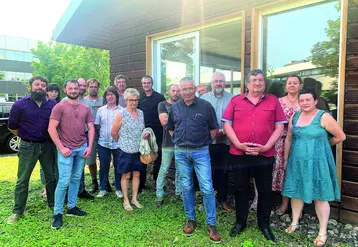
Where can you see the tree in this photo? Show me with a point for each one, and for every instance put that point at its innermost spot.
(2, 75)
(59, 62)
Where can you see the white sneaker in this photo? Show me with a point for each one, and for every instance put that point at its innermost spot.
(101, 194)
(119, 194)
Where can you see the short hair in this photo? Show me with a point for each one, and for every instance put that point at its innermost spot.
(298, 77)
(120, 77)
(254, 72)
(309, 91)
(173, 84)
(113, 90)
(203, 85)
(70, 81)
(92, 80)
(54, 87)
(186, 78)
(38, 77)
(131, 91)
(147, 76)
(218, 73)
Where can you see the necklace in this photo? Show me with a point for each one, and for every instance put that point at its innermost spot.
(292, 101)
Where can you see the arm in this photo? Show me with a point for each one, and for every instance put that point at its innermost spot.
(52, 130)
(116, 126)
(171, 132)
(163, 117)
(331, 125)
(97, 127)
(288, 142)
(272, 140)
(91, 133)
(213, 133)
(15, 132)
(232, 137)
(14, 119)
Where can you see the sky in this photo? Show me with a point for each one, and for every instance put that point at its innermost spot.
(34, 19)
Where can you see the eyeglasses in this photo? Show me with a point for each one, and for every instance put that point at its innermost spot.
(218, 81)
(93, 87)
(133, 100)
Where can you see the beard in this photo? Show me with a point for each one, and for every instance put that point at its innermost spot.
(82, 92)
(72, 97)
(93, 93)
(175, 98)
(218, 90)
(38, 96)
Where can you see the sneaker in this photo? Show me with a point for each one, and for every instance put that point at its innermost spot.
(85, 195)
(189, 227)
(56, 221)
(94, 186)
(214, 235)
(101, 194)
(159, 202)
(75, 211)
(119, 194)
(13, 218)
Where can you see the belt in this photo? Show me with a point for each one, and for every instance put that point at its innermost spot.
(32, 141)
(193, 147)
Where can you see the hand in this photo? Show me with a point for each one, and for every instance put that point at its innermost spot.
(65, 151)
(146, 136)
(87, 153)
(260, 148)
(245, 147)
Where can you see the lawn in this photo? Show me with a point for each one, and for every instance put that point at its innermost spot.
(107, 224)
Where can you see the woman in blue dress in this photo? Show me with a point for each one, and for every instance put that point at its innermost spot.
(311, 171)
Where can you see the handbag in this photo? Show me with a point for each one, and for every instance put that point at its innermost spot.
(148, 159)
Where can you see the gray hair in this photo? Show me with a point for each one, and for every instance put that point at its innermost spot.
(131, 92)
(120, 77)
(218, 73)
(186, 78)
(254, 72)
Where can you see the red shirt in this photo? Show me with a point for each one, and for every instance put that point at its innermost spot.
(254, 123)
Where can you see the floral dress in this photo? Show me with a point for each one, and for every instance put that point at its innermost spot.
(279, 169)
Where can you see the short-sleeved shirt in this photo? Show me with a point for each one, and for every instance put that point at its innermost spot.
(149, 106)
(254, 123)
(30, 120)
(72, 119)
(105, 118)
(165, 107)
(219, 104)
(192, 123)
(94, 105)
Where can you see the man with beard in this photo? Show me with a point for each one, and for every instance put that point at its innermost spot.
(219, 149)
(148, 103)
(67, 130)
(121, 82)
(167, 145)
(29, 119)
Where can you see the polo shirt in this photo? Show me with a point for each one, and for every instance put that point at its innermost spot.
(149, 106)
(254, 123)
(192, 123)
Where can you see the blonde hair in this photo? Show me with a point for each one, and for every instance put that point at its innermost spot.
(131, 92)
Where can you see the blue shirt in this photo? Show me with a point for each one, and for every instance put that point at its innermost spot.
(192, 123)
(30, 120)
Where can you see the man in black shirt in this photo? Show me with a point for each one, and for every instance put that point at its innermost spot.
(148, 103)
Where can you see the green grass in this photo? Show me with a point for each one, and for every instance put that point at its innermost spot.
(107, 224)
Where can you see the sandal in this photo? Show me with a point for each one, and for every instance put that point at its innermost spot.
(320, 239)
(292, 228)
(127, 207)
(137, 204)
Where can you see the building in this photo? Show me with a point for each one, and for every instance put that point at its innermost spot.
(171, 39)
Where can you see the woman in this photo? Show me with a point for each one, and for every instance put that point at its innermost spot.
(290, 105)
(311, 171)
(127, 129)
(107, 146)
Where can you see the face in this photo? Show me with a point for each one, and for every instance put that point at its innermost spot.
(174, 92)
(93, 89)
(132, 101)
(72, 90)
(38, 86)
(121, 84)
(292, 85)
(187, 90)
(147, 84)
(53, 94)
(82, 87)
(218, 83)
(111, 98)
(202, 89)
(256, 84)
(307, 102)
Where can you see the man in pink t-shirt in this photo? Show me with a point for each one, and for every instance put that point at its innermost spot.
(67, 130)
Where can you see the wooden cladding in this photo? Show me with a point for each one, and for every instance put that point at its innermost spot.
(351, 143)
(350, 189)
(351, 80)
(350, 158)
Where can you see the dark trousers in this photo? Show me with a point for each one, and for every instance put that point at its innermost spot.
(105, 156)
(260, 168)
(29, 154)
(158, 132)
(219, 156)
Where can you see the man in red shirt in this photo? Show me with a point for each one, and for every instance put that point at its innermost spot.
(253, 122)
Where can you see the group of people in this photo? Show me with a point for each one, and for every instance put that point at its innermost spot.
(284, 144)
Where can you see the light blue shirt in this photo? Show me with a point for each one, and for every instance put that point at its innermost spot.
(105, 118)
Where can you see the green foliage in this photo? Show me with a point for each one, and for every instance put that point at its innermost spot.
(2, 75)
(60, 62)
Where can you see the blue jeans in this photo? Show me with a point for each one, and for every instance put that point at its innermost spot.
(69, 170)
(199, 160)
(105, 160)
(167, 156)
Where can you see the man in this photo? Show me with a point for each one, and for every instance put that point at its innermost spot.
(29, 119)
(67, 130)
(219, 149)
(192, 124)
(253, 122)
(148, 103)
(202, 88)
(164, 109)
(121, 82)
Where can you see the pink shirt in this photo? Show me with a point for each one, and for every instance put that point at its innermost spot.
(254, 123)
(72, 121)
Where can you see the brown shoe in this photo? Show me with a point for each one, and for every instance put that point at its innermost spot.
(189, 227)
(214, 235)
(226, 207)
